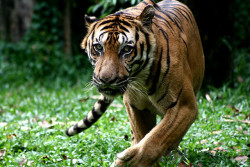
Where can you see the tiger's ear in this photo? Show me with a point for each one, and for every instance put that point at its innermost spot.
(90, 19)
(147, 15)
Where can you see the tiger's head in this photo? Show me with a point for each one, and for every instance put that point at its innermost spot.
(120, 47)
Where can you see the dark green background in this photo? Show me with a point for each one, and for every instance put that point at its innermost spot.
(39, 55)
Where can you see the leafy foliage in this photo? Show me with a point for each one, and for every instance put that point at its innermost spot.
(104, 7)
(39, 55)
(33, 119)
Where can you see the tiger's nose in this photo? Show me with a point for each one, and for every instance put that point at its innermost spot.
(107, 78)
(110, 79)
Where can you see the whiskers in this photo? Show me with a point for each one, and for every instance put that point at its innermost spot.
(133, 86)
(136, 88)
(89, 86)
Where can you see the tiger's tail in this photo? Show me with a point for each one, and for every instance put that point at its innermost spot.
(99, 108)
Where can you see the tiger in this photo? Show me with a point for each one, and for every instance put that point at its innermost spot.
(152, 55)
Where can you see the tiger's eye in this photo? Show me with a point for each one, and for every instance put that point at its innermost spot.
(98, 47)
(127, 49)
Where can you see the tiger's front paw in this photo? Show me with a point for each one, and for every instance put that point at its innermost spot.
(134, 156)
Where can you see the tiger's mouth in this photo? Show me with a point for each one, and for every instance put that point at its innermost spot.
(111, 91)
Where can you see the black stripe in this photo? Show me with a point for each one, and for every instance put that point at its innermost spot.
(166, 14)
(168, 57)
(123, 28)
(132, 106)
(136, 37)
(104, 105)
(160, 26)
(135, 48)
(99, 39)
(93, 29)
(135, 54)
(96, 116)
(155, 5)
(76, 128)
(174, 103)
(145, 2)
(113, 24)
(130, 42)
(144, 65)
(140, 62)
(185, 45)
(86, 122)
(174, 21)
(125, 36)
(129, 15)
(177, 20)
(178, 6)
(106, 22)
(180, 13)
(188, 14)
(109, 37)
(128, 70)
(94, 113)
(67, 132)
(175, 16)
(149, 77)
(107, 27)
(125, 23)
(185, 10)
(92, 36)
(156, 77)
(162, 18)
(164, 94)
(118, 13)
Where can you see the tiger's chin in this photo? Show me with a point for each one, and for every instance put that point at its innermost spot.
(111, 92)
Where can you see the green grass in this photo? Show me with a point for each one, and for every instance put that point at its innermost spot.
(33, 119)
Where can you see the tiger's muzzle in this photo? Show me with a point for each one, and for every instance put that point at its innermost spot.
(111, 87)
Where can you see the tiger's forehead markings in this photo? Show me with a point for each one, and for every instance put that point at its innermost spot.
(114, 20)
(114, 29)
(112, 37)
(115, 37)
(115, 23)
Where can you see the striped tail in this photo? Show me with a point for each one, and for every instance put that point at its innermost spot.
(99, 108)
